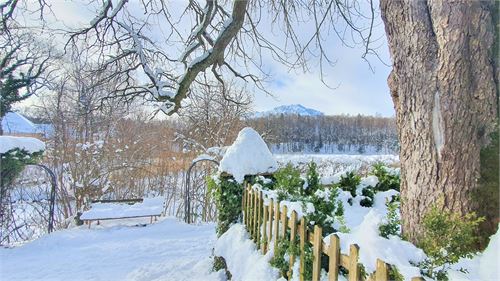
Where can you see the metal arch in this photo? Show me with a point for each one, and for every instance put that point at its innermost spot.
(187, 199)
(53, 189)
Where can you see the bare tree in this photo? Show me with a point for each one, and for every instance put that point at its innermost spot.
(221, 38)
(214, 113)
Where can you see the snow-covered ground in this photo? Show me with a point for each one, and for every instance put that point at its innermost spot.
(167, 250)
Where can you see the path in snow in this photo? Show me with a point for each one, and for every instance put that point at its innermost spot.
(167, 250)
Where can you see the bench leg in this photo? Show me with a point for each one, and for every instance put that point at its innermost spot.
(151, 220)
(89, 222)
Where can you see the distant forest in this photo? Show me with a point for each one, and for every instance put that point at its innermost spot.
(328, 134)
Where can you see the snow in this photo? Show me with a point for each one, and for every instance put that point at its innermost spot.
(372, 246)
(483, 266)
(31, 145)
(203, 157)
(248, 155)
(167, 250)
(15, 123)
(149, 207)
(242, 258)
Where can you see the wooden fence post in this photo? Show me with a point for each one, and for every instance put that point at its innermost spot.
(249, 212)
(303, 239)
(334, 258)
(243, 202)
(284, 220)
(353, 263)
(259, 216)
(254, 225)
(418, 279)
(271, 221)
(317, 243)
(293, 234)
(276, 225)
(263, 246)
(381, 273)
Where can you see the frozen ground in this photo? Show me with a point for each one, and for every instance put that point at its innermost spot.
(167, 250)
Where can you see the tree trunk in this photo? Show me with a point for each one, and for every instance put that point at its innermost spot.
(444, 91)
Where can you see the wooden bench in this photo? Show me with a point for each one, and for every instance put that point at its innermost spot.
(123, 209)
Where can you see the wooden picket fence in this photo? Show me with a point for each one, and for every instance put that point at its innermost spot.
(268, 221)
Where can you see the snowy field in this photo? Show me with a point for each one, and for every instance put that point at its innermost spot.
(331, 164)
(167, 250)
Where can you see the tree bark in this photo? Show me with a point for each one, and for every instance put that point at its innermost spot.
(444, 91)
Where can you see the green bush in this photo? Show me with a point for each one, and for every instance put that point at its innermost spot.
(312, 178)
(288, 182)
(386, 180)
(13, 163)
(393, 225)
(326, 208)
(349, 182)
(369, 194)
(228, 195)
(447, 237)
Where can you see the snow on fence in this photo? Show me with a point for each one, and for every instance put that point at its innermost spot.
(265, 225)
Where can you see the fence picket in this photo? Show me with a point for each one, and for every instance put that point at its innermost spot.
(276, 225)
(334, 258)
(271, 222)
(353, 263)
(254, 226)
(303, 238)
(263, 245)
(317, 243)
(293, 234)
(259, 217)
(381, 273)
(284, 224)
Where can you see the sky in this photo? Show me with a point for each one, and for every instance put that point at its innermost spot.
(355, 88)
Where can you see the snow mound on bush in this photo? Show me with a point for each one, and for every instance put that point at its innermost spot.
(31, 145)
(372, 246)
(249, 155)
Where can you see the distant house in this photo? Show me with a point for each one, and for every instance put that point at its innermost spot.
(14, 123)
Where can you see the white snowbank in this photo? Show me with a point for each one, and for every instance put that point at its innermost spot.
(372, 246)
(149, 207)
(31, 145)
(242, 259)
(248, 155)
(167, 250)
(484, 266)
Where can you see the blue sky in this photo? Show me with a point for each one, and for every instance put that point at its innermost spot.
(357, 89)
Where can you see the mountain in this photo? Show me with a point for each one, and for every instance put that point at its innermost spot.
(292, 109)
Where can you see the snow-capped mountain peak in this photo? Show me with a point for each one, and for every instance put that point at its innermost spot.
(292, 109)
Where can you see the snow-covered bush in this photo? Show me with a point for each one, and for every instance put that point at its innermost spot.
(393, 223)
(349, 182)
(447, 237)
(386, 179)
(15, 154)
(289, 184)
(228, 195)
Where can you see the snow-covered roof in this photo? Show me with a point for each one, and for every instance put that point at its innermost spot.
(29, 144)
(248, 155)
(15, 123)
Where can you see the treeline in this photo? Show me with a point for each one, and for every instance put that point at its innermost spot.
(328, 134)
